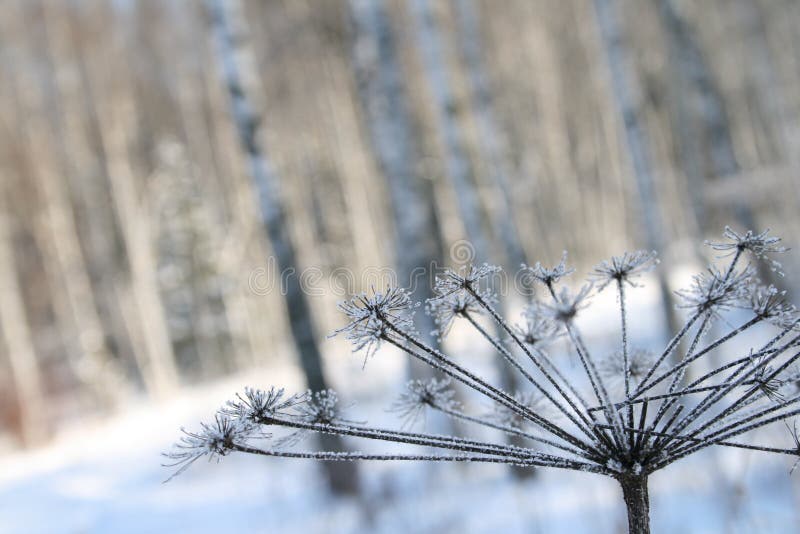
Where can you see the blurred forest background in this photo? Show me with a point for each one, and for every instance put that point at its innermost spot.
(155, 154)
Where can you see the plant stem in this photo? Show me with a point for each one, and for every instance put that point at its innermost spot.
(625, 361)
(637, 502)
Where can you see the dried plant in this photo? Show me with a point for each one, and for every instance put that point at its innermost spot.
(567, 417)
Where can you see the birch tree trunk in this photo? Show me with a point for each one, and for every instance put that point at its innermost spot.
(454, 151)
(388, 123)
(704, 133)
(208, 226)
(492, 143)
(779, 112)
(457, 164)
(240, 76)
(244, 309)
(625, 91)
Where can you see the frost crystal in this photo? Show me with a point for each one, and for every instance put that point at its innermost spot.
(764, 382)
(258, 406)
(769, 303)
(550, 276)
(759, 245)
(512, 419)
(466, 277)
(319, 408)
(714, 292)
(623, 268)
(568, 305)
(538, 330)
(639, 363)
(614, 465)
(445, 309)
(214, 440)
(421, 394)
(370, 318)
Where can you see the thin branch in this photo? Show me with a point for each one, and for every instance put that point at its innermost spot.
(677, 437)
(625, 362)
(438, 361)
(584, 426)
(513, 431)
(351, 456)
(507, 328)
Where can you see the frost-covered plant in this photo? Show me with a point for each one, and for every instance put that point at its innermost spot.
(625, 417)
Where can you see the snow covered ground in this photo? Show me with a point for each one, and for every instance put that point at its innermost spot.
(108, 480)
(105, 477)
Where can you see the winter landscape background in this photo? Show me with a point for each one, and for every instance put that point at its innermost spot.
(161, 249)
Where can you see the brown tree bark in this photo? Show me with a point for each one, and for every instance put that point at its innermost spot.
(17, 337)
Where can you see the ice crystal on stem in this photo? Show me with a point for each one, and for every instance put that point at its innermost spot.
(566, 307)
(714, 291)
(467, 277)
(422, 394)
(623, 268)
(537, 331)
(770, 303)
(321, 408)
(258, 406)
(758, 244)
(550, 276)
(214, 440)
(639, 362)
(447, 308)
(370, 316)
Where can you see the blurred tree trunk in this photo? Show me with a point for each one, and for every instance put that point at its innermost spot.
(492, 144)
(707, 153)
(775, 117)
(702, 127)
(113, 108)
(94, 366)
(158, 367)
(238, 67)
(244, 309)
(628, 100)
(100, 238)
(16, 334)
(457, 163)
(387, 119)
(428, 38)
(196, 129)
(684, 61)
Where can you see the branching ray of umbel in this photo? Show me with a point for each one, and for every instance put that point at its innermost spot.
(644, 417)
